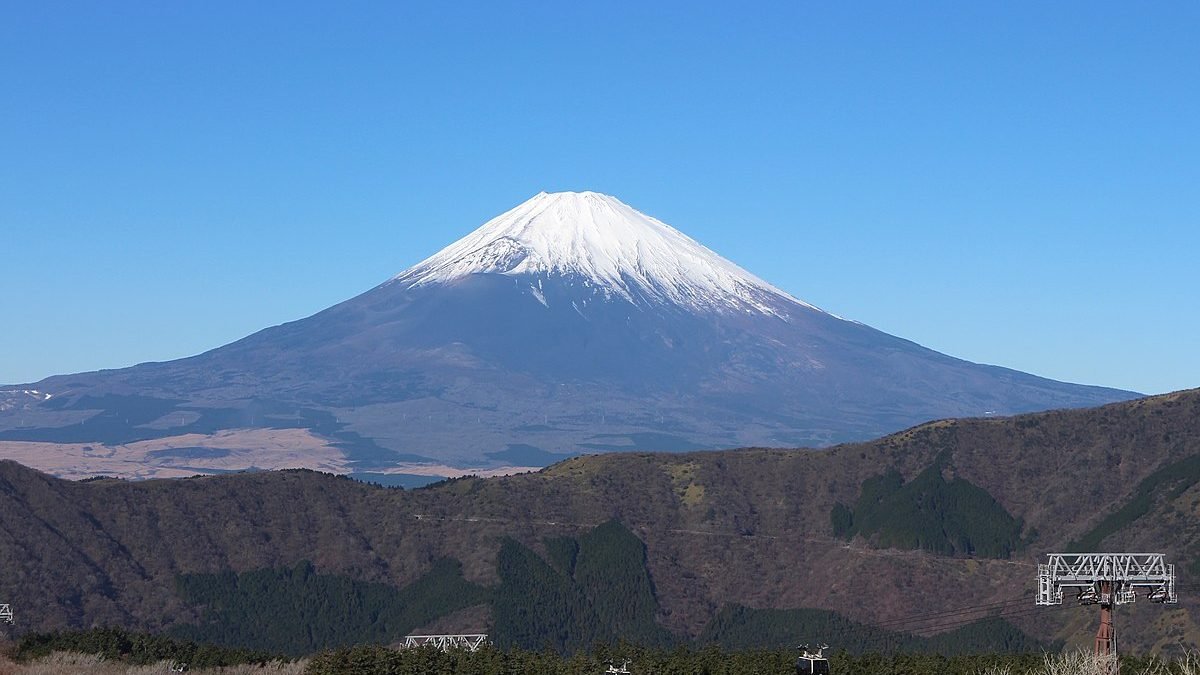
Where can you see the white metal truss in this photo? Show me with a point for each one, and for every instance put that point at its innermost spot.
(446, 642)
(1106, 578)
(6, 614)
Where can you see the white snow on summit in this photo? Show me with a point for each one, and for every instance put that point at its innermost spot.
(620, 250)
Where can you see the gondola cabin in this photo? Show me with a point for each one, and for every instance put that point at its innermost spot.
(811, 663)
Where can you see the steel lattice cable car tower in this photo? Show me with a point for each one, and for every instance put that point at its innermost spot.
(1106, 579)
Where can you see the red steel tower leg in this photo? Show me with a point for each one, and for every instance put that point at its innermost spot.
(1106, 636)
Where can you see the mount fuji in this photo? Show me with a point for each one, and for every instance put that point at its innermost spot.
(570, 324)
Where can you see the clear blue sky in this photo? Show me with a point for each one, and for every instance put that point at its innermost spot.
(1014, 183)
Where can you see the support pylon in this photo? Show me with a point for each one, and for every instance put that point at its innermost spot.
(1106, 635)
(1108, 580)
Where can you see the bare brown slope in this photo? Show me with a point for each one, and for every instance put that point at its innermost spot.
(749, 526)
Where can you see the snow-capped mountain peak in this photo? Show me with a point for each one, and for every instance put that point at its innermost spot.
(605, 242)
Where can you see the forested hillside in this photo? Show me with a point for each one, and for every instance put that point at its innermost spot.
(297, 611)
(753, 528)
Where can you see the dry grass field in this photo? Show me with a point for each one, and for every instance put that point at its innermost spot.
(236, 450)
(231, 450)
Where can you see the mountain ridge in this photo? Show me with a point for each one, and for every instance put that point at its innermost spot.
(107, 551)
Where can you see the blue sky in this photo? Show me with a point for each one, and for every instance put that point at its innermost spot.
(1011, 183)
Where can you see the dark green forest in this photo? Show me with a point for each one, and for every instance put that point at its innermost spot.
(681, 661)
(116, 644)
(141, 649)
(597, 590)
(948, 517)
(297, 611)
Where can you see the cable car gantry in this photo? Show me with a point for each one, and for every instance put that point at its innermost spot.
(1106, 579)
(445, 643)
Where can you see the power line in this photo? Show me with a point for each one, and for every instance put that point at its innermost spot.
(973, 609)
(963, 615)
(1015, 612)
(867, 636)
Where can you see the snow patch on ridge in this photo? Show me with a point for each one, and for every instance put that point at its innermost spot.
(537, 294)
(34, 393)
(620, 250)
